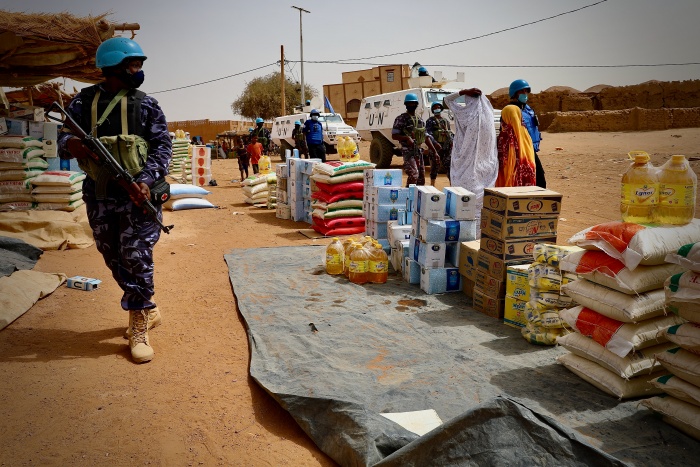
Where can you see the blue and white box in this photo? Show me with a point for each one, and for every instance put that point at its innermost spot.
(411, 271)
(377, 230)
(307, 165)
(297, 211)
(415, 225)
(440, 280)
(294, 168)
(385, 213)
(460, 203)
(397, 233)
(386, 195)
(308, 218)
(447, 231)
(281, 170)
(429, 255)
(430, 203)
(383, 177)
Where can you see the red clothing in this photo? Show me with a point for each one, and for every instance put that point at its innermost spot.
(255, 151)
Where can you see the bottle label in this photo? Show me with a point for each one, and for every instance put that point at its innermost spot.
(646, 194)
(333, 259)
(377, 266)
(676, 195)
(358, 267)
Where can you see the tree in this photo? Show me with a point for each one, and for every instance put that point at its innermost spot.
(262, 98)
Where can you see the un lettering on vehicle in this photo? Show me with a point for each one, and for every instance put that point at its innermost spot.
(379, 117)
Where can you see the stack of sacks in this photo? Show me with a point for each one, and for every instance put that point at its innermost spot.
(542, 310)
(621, 318)
(185, 196)
(58, 190)
(272, 191)
(337, 199)
(384, 200)
(181, 165)
(21, 159)
(682, 408)
(255, 189)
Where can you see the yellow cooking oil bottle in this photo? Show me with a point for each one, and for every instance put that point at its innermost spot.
(349, 245)
(359, 264)
(640, 191)
(378, 265)
(678, 185)
(335, 257)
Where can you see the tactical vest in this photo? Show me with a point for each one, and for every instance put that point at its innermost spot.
(121, 132)
(260, 134)
(532, 125)
(442, 134)
(416, 132)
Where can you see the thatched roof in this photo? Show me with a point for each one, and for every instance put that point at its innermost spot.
(37, 47)
(41, 95)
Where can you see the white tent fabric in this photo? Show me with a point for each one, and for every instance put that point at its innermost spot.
(474, 155)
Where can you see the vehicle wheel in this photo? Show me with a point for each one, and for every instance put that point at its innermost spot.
(381, 152)
(284, 146)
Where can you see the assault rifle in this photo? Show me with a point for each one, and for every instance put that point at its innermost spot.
(101, 155)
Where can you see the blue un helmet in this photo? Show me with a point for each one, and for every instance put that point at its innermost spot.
(315, 112)
(410, 97)
(517, 85)
(114, 51)
(435, 104)
(422, 70)
(250, 130)
(259, 120)
(297, 122)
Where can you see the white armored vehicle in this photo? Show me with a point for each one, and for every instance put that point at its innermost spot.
(377, 115)
(333, 127)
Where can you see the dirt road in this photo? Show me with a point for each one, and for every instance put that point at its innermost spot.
(69, 393)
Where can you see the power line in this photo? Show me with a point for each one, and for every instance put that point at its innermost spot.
(217, 79)
(630, 65)
(475, 37)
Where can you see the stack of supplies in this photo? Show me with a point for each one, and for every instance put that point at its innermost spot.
(21, 159)
(256, 189)
(185, 196)
(337, 197)
(180, 165)
(58, 190)
(681, 406)
(621, 318)
(282, 210)
(272, 190)
(383, 203)
(299, 188)
(201, 165)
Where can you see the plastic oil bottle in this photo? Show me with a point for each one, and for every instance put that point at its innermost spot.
(342, 151)
(349, 246)
(640, 191)
(378, 265)
(678, 187)
(335, 257)
(359, 264)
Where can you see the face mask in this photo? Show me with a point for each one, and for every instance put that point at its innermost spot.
(522, 98)
(437, 111)
(411, 108)
(314, 118)
(133, 80)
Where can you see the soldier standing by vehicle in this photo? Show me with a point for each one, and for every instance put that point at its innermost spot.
(440, 130)
(300, 140)
(262, 134)
(313, 130)
(518, 91)
(409, 130)
(116, 111)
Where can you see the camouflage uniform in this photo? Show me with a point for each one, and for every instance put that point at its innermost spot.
(265, 133)
(433, 127)
(300, 142)
(123, 233)
(413, 164)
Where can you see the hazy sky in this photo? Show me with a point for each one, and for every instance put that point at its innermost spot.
(195, 41)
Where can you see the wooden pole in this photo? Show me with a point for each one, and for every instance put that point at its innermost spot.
(284, 106)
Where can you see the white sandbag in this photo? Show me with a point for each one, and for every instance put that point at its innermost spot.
(16, 206)
(12, 197)
(683, 287)
(44, 189)
(16, 186)
(687, 256)
(642, 362)
(686, 310)
(347, 177)
(600, 268)
(71, 206)
(334, 168)
(607, 381)
(684, 364)
(187, 190)
(19, 174)
(34, 164)
(635, 244)
(678, 388)
(253, 189)
(20, 142)
(686, 336)
(614, 304)
(474, 158)
(183, 204)
(679, 414)
(58, 178)
(20, 156)
(57, 197)
(619, 338)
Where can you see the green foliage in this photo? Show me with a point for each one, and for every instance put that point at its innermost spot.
(262, 98)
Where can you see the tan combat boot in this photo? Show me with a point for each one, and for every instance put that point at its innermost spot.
(141, 350)
(154, 320)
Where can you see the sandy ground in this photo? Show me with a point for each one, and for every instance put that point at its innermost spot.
(69, 393)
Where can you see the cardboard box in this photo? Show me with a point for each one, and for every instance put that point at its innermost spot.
(468, 287)
(514, 312)
(490, 306)
(50, 148)
(377, 230)
(415, 225)
(523, 201)
(521, 248)
(491, 286)
(428, 255)
(82, 283)
(281, 170)
(467, 258)
(440, 280)
(50, 130)
(447, 231)
(383, 177)
(496, 225)
(36, 130)
(17, 127)
(385, 213)
(452, 254)
(495, 266)
(392, 195)
(397, 233)
(430, 203)
(517, 285)
(460, 203)
(411, 271)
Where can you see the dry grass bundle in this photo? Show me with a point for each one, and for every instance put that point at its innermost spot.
(57, 27)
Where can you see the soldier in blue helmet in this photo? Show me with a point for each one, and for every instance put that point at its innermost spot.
(439, 129)
(313, 130)
(409, 130)
(262, 134)
(124, 234)
(300, 140)
(519, 91)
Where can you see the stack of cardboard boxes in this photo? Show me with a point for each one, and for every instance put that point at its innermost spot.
(513, 220)
(384, 201)
(299, 188)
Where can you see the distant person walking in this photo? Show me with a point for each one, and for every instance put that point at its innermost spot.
(516, 154)
(243, 158)
(255, 150)
(313, 130)
(519, 91)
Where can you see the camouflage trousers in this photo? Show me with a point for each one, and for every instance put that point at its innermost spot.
(446, 160)
(413, 166)
(125, 236)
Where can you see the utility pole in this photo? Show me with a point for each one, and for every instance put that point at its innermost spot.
(301, 48)
(284, 112)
